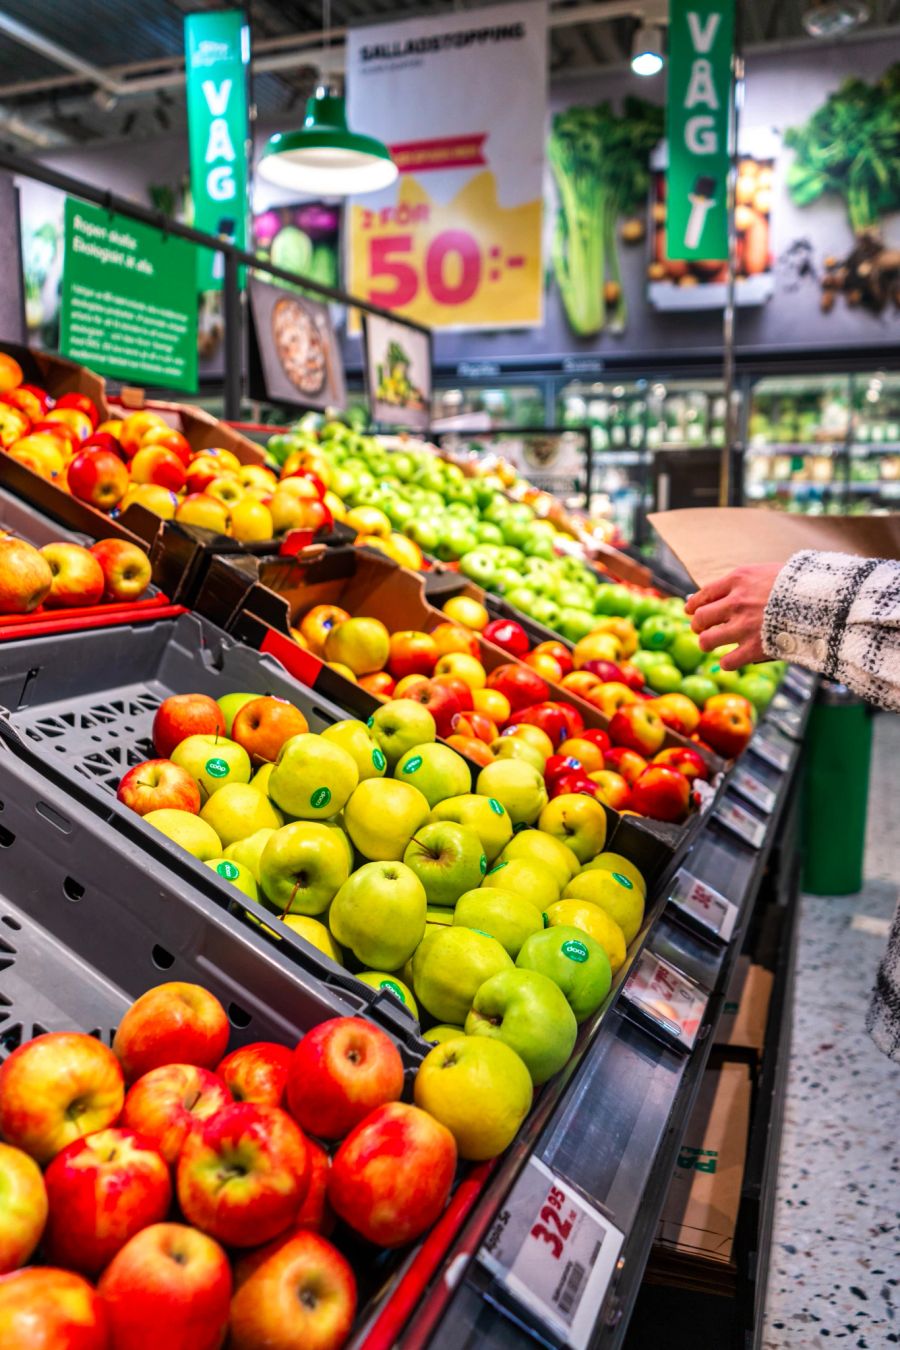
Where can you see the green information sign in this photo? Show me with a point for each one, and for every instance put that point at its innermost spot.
(129, 299)
(701, 35)
(217, 56)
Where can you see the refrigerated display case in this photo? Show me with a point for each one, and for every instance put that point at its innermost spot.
(798, 433)
(509, 404)
(873, 482)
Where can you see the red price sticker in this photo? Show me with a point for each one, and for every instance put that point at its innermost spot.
(740, 822)
(554, 1254)
(704, 904)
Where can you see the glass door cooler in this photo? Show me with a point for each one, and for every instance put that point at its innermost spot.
(798, 436)
(874, 462)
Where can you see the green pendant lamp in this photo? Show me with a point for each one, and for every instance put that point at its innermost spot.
(325, 158)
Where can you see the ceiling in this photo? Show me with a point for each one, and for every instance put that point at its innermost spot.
(135, 85)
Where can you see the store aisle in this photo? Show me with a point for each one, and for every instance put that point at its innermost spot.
(835, 1263)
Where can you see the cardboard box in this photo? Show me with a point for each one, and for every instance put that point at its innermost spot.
(58, 376)
(710, 542)
(202, 430)
(700, 1213)
(745, 1014)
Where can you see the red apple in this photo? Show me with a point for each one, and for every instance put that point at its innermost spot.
(126, 568)
(78, 578)
(42, 1308)
(679, 712)
(440, 701)
(301, 1297)
(23, 1211)
(465, 694)
(170, 439)
(727, 723)
(101, 1191)
(637, 727)
(341, 1071)
(685, 759)
(257, 1073)
(549, 717)
(156, 464)
(561, 766)
(597, 737)
(169, 1286)
(264, 724)
(476, 726)
(24, 401)
(379, 683)
(390, 1204)
(560, 653)
(521, 685)
(315, 1212)
(175, 1023)
(611, 788)
(510, 636)
(158, 784)
(298, 513)
(41, 395)
(574, 782)
(167, 1103)
(412, 654)
(318, 622)
(588, 755)
(453, 637)
(83, 403)
(479, 752)
(606, 671)
(544, 665)
(183, 715)
(574, 719)
(97, 477)
(25, 577)
(56, 1088)
(14, 425)
(243, 1174)
(631, 676)
(624, 761)
(580, 682)
(661, 793)
(308, 476)
(610, 697)
(71, 443)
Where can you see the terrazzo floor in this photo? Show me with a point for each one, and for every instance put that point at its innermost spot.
(834, 1273)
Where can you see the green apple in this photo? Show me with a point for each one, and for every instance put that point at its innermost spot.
(188, 831)
(231, 705)
(239, 876)
(645, 661)
(449, 968)
(261, 778)
(302, 867)
(686, 652)
(614, 599)
(485, 815)
(399, 725)
(356, 738)
(644, 607)
(391, 984)
(382, 816)
(315, 933)
(480, 566)
(536, 846)
(527, 877)
(578, 821)
(613, 892)
(441, 1032)
(379, 913)
(663, 677)
(545, 611)
(758, 689)
(574, 624)
(212, 761)
(726, 680)
(312, 778)
(436, 770)
(337, 825)
(517, 786)
(530, 1014)
(508, 917)
(248, 851)
(479, 1089)
(657, 632)
(438, 914)
(576, 964)
(617, 862)
(514, 747)
(448, 859)
(238, 810)
(698, 688)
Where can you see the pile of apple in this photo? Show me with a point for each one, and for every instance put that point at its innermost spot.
(187, 1193)
(66, 576)
(369, 843)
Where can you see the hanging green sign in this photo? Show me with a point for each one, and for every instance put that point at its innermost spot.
(128, 299)
(217, 57)
(701, 35)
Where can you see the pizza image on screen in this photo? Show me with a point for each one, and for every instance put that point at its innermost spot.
(299, 345)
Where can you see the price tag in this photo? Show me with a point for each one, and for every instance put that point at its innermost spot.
(733, 816)
(669, 999)
(798, 682)
(771, 747)
(787, 722)
(553, 1254)
(753, 789)
(704, 904)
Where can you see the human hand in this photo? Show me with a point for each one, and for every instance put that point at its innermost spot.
(731, 610)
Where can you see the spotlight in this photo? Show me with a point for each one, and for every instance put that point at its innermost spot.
(647, 50)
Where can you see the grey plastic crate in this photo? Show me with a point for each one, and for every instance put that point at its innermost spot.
(17, 517)
(78, 710)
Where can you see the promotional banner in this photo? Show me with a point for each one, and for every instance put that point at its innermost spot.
(460, 100)
(397, 370)
(129, 299)
(217, 57)
(701, 35)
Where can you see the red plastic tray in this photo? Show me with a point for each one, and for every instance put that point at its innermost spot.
(47, 622)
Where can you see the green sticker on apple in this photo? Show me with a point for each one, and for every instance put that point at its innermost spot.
(495, 806)
(623, 881)
(517, 829)
(496, 867)
(378, 760)
(575, 951)
(394, 989)
(321, 797)
(228, 871)
(483, 864)
(370, 721)
(546, 918)
(412, 764)
(217, 768)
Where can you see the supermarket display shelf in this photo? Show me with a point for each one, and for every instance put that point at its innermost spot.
(836, 447)
(608, 1140)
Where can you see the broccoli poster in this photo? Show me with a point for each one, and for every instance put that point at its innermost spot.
(460, 99)
(397, 370)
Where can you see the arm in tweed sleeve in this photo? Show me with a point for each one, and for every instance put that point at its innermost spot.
(839, 615)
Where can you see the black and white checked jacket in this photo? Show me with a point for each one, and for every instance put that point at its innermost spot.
(840, 615)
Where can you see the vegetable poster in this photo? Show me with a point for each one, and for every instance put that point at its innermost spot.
(460, 99)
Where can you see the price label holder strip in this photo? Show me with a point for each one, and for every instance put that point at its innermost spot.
(552, 1254)
(753, 789)
(740, 822)
(773, 748)
(704, 906)
(664, 1001)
